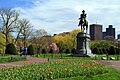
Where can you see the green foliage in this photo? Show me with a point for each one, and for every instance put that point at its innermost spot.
(31, 50)
(112, 51)
(117, 50)
(55, 70)
(101, 51)
(104, 51)
(101, 44)
(2, 43)
(66, 41)
(10, 49)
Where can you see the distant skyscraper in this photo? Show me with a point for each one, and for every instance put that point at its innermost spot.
(96, 32)
(118, 36)
(110, 31)
(104, 34)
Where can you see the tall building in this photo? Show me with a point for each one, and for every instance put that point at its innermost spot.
(96, 32)
(110, 31)
(118, 36)
(103, 35)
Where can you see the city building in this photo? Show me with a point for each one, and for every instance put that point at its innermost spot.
(110, 31)
(118, 36)
(96, 32)
(104, 34)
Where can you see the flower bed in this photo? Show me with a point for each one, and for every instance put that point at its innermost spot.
(54, 70)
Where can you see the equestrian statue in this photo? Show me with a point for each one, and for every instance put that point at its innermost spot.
(83, 22)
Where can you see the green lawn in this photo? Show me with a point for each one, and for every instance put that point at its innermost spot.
(99, 57)
(10, 58)
(6, 55)
(68, 56)
(62, 55)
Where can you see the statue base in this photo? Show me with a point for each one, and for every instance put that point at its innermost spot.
(83, 42)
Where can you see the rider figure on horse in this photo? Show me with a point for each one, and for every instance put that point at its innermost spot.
(83, 21)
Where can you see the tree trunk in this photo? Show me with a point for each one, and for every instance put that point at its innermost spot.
(7, 39)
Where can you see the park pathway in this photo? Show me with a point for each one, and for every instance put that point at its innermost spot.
(30, 60)
(113, 64)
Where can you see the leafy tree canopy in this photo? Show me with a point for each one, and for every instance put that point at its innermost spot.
(101, 44)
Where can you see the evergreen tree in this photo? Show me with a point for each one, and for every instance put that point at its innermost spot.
(10, 49)
(31, 50)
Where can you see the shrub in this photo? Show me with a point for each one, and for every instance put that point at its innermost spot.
(111, 51)
(31, 50)
(95, 50)
(44, 51)
(10, 49)
(51, 51)
(61, 51)
(104, 51)
(117, 50)
(38, 50)
(67, 51)
(73, 51)
(107, 50)
(101, 51)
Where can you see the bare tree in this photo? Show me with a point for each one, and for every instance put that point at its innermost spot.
(39, 33)
(25, 30)
(45, 41)
(8, 18)
(37, 38)
(109, 38)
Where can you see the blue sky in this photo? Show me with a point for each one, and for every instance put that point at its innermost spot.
(56, 16)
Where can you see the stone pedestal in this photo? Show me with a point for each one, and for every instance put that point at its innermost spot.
(83, 45)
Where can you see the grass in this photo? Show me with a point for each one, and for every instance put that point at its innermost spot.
(99, 57)
(60, 55)
(7, 55)
(10, 58)
(68, 56)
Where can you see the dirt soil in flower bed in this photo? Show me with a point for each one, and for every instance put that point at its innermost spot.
(29, 60)
(113, 64)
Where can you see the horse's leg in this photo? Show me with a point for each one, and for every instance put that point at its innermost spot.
(86, 29)
(86, 26)
(81, 26)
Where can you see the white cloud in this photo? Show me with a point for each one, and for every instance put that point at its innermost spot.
(62, 15)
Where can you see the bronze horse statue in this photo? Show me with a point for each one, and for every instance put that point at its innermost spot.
(83, 22)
